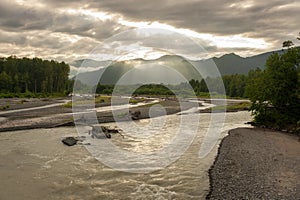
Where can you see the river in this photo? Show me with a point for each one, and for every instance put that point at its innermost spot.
(34, 164)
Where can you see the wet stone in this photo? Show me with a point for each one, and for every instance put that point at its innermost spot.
(69, 141)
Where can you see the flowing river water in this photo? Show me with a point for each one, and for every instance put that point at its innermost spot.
(34, 164)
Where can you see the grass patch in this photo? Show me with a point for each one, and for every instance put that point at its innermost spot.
(77, 103)
(103, 99)
(31, 95)
(233, 107)
(136, 100)
(68, 105)
(211, 95)
(22, 101)
(7, 106)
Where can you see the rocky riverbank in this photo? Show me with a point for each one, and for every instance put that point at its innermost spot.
(256, 164)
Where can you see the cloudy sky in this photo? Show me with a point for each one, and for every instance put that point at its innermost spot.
(70, 29)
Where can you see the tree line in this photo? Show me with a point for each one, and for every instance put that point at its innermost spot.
(234, 85)
(147, 89)
(25, 75)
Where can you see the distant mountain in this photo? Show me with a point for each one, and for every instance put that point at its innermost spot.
(109, 73)
(169, 69)
(234, 64)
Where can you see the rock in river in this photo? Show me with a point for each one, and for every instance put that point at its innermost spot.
(69, 141)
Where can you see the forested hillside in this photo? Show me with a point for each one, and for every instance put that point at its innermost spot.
(24, 75)
(228, 64)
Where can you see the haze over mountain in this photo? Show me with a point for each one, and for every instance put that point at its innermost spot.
(168, 69)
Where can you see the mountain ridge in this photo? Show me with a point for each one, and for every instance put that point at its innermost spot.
(226, 64)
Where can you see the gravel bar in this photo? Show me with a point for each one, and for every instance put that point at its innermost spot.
(255, 163)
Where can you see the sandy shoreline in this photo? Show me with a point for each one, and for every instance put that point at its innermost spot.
(256, 164)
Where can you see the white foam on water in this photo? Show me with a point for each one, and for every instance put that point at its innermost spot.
(155, 192)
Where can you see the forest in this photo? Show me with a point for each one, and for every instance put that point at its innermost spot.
(33, 77)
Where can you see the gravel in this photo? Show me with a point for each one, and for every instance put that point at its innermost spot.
(256, 164)
(62, 116)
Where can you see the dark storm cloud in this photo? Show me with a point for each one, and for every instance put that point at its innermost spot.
(15, 17)
(21, 18)
(12, 38)
(45, 29)
(273, 21)
(84, 26)
(219, 16)
(268, 18)
(47, 24)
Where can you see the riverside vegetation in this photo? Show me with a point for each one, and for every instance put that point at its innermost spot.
(275, 92)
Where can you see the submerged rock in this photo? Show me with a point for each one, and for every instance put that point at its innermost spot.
(69, 141)
(108, 135)
(135, 115)
(111, 130)
(100, 131)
